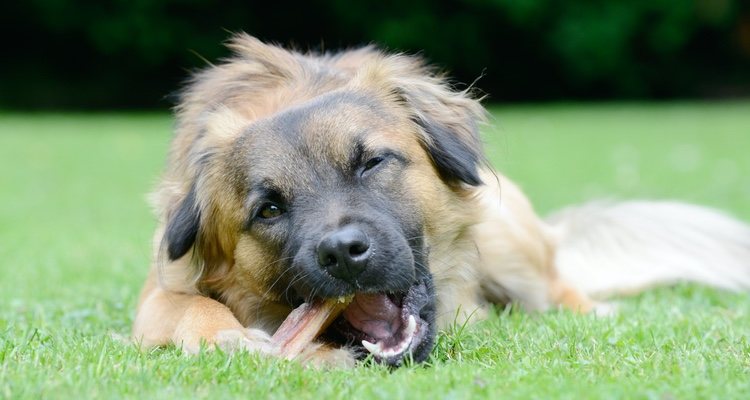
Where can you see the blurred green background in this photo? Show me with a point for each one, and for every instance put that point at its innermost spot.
(131, 54)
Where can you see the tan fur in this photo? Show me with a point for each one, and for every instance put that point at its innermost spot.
(486, 243)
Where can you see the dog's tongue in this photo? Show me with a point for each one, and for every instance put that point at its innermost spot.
(374, 314)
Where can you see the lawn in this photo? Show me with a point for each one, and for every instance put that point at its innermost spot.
(74, 248)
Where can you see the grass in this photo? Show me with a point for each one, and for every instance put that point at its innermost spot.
(74, 249)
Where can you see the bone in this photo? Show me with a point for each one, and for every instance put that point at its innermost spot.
(305, 323)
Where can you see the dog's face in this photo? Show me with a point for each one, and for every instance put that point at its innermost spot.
(333, 196)
(328, 192)
(327, 186)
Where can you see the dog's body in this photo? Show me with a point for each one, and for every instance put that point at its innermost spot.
(299, 176)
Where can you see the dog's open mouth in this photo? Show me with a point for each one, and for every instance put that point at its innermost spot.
(392, 326)
(388, 325)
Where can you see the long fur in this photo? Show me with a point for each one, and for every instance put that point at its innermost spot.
(610, 249)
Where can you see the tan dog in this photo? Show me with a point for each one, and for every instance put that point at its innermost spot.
(298, 176)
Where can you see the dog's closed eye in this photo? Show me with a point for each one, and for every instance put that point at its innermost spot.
(380, 161)
(371, 164)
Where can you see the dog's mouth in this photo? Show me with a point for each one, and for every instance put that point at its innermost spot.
(392, 326)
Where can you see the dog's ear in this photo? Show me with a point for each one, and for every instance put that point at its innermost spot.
(448, 119)
(182, 227)
(454, 158)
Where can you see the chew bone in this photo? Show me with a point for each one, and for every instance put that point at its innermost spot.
(305, 323)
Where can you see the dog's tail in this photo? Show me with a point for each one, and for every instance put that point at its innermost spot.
(623, 248)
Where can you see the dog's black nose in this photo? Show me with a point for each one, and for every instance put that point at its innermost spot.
(344, 253)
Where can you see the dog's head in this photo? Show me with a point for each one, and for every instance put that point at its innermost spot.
(324, 177)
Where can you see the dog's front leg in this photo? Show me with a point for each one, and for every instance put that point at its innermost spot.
(191, 320)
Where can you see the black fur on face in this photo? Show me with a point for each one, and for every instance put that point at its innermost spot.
(390, 264)
(298, 199)
(365, 194)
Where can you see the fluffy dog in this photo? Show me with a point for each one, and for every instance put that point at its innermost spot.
(299, 176)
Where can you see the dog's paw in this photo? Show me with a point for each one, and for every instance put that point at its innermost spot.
(323, 356)
(250, 340)
(232, 341)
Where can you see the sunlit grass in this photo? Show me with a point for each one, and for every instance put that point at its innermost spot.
(74, 248)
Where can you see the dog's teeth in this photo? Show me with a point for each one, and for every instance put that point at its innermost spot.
(409, 332)
(411, 327)
(389, 353)
(372, 347)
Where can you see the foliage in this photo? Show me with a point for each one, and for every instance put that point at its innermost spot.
(121, 53)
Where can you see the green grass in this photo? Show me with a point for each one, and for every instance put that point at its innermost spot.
(74, 249)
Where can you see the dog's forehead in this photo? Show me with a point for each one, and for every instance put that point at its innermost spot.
(323, 133)
(330, 123)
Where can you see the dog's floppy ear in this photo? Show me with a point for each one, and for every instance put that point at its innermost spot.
(455, 159)
(449, 119)
(182, 227)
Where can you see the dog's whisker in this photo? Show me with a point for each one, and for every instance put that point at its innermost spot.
(281, 274)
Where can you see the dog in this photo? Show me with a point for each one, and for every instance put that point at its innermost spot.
(296, 176)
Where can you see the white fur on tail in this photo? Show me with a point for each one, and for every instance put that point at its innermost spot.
(621, 248)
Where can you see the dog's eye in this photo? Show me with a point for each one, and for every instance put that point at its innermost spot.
(372, 163)
(270, 211)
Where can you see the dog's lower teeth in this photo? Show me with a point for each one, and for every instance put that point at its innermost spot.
(411, 328)
(376, 349)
